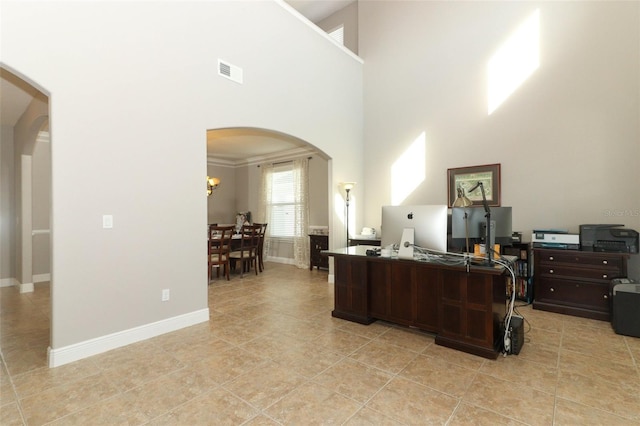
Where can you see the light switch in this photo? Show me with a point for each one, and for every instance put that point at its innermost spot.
(107, 221)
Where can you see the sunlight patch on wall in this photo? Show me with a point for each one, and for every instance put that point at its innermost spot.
(514, 62)
(408, 171)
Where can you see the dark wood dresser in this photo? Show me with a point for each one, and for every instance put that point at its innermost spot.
(576, 282)
(317, 244)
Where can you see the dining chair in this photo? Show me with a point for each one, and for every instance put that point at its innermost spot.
(247, 254)
(260, 252)
(219, 248)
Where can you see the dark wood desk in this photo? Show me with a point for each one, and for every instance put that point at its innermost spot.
(464, 309)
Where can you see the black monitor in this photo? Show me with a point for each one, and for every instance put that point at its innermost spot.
(477, 222)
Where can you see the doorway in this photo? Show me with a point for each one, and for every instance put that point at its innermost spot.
(25, 210)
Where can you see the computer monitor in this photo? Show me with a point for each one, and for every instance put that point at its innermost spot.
(477, 222)
(429, 223)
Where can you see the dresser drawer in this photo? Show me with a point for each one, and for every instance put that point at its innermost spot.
(578, 294)
(607, 261)
(561, 270)
(576, 282)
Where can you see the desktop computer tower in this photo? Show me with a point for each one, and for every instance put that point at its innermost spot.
(516, 331)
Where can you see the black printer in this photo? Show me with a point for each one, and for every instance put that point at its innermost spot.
(608, 238)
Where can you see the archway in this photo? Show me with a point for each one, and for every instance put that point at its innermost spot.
(25, 207)
(234, 155)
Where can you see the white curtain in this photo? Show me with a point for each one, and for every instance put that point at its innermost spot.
(300, 239)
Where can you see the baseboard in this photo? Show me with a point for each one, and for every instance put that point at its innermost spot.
(283, 260)
(26, 287)
(77, 351)
(41, 278)
(8, 282)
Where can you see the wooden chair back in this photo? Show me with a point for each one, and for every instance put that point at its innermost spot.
(249, 241)
(260, 252)
(219, 247)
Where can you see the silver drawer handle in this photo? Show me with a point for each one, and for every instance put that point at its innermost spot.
(604, 275)
(606, 297)
(550, 257)
(604, 262)
(551, 271)
(552, 290)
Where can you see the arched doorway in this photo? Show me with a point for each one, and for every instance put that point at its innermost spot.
(25, 207)
(235, 155)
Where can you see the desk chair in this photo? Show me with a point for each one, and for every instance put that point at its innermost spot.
(219, 248)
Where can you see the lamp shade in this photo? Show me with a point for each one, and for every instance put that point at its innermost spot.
(462, 200)
(348, 186)
(212, 183)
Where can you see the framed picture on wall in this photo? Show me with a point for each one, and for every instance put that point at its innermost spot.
(468, 177)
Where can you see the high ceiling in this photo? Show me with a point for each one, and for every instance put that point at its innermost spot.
(230, 145)
(15, 97)
(317, 10)
(239, 145)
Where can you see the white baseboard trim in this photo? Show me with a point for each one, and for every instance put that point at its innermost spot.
(284, 260)
(8, 282)
(77, 351)
(26, 287)
(40, 278)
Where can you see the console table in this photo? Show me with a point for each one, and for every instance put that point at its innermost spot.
(464, 309)
(317, 244)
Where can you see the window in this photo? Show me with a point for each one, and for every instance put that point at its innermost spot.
(283, 203)
(285, 206)
(337, 34)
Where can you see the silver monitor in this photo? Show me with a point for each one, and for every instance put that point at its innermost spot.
(429, 223)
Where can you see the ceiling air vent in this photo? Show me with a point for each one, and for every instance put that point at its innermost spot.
(229, 71)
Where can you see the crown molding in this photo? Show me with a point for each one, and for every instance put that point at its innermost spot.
(261, 159)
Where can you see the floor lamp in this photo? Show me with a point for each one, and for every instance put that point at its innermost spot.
(464, 202)
(348, 186)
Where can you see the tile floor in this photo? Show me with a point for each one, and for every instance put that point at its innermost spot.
(273, 355)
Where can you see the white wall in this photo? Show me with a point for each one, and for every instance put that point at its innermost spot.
(41, 207)
(567, 139)
(221, 204)
(133, 91)
(7, 208)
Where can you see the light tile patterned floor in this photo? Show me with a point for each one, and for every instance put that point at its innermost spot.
(273, 355)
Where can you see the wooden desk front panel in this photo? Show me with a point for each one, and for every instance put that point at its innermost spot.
(471, 310)
(426, 297)
(351, 298)
(401, 300)
(464, 309)
(379, 289)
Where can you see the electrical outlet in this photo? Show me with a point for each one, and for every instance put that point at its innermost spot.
(165, 295)
(107, 221)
